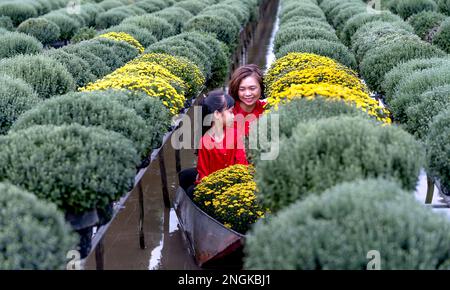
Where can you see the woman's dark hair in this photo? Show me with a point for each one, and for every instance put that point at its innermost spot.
(242, 73)
(215, 101)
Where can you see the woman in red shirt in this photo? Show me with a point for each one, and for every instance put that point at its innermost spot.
(220, 146)
(247, 88)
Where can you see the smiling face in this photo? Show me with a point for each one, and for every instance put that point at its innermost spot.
(249, 92)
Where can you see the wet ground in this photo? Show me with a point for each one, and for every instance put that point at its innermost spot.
(166, 248)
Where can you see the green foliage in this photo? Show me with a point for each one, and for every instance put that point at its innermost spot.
(407, 8)
(442, 36)
(426, 21)
(112, 17)
(193, 6)
(159, 27)
(44, 30)
(75, 65)
(222, 27)
(67, 26)
(382, 59)
(378, 33)
(85, 33)
(14, 43)
(90, 110)
(286, 36)
(176, 16)
(291, 114)
(33, 233)
(334, 50)
(6, 23)
(80, 168)
(307, 22)
(16, 97)
(323, 153)
(354, 23)
(97, 66)
(140, 34)
(45, 75)
(444, 6)
(18, 12)
(421, 113)
(355, 218)
(410, 89)
(438, 146)
(405, 69)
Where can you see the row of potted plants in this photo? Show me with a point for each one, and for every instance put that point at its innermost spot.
(342, 185)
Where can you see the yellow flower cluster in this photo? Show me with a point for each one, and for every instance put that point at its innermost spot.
(357, 97)
(154, 86)
(300, 61)
(228, 195)
(179, 66)
(122, 36)
(308, 75)
(322, 74)
(159, 75)
(140, 68)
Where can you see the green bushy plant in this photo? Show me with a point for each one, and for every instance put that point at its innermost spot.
(444, 6)
(176, 16)
(407, 8)
(425, 21)
(307, 22)
(140, 34)
(16, 97)
(442, 36)
(410, 89)
(14, 43)
(18, 12)
(67, 26)
(377, 33)
(80, 168)
(90, 110)
(289, 35)
(421, 114)
(438, 144)
(96, 65)
(47, 76)
(405, 69)
(44, 30)
(159, 27)
(334, 50)
(183, 48)
(84, 33)
(382, 59)
(33, 233)
(112, 17)
(355, 22)
(301, 12)
(356, 218)
(6, 23)
(222, 27)
(323, 153)
(75, 65)
(298, 111)
(193, 6)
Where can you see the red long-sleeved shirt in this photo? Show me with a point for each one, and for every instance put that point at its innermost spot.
(213, 156)
(249, 116)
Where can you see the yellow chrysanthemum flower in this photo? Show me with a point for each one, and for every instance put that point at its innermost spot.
(122, 36)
